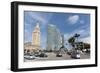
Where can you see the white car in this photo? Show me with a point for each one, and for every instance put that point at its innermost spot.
(84, 50)
(75, 55)
(29, 57)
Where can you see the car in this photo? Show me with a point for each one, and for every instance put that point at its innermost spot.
(84, 50)
(58, 55)
(75, 55)
(69, 52)
(29, 57)
(88, 51)
(36, 55)
(42, 55)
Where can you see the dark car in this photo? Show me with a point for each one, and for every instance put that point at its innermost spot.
(36, 55)
(75, 55)
(69, 52)
(42, 55)
(58, 55)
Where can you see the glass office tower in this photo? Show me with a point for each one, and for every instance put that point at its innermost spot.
(54, 39)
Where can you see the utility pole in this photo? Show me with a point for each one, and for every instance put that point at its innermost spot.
(62, 36)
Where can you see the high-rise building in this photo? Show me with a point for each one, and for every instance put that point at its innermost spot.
(36, 36)
(53, 37)
(35, 44)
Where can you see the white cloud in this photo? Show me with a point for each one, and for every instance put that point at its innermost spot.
(86, 39)
(83, 35)
(81, 22)
(37, 17)
(43, 18)
(81, 32)
(73, 19)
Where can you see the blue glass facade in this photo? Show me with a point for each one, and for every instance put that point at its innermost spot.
(54, 39)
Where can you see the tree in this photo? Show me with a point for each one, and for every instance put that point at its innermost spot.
(76, 36)
(71, 41)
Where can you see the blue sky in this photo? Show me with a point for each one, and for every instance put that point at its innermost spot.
(67, 23)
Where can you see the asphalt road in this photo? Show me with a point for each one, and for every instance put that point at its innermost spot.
(52, 56)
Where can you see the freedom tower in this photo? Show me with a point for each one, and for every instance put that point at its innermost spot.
(35, 44)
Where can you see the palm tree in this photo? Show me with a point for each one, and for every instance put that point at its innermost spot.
(71, 41)
(76, 36)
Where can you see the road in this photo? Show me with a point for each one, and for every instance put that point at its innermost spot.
(52, 56)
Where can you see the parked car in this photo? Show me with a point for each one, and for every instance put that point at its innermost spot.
(36, 55)
(84, 50)
(29, 57)
(42, 55)
(88, 51)
(69, 52)
(58, 55)
(75, 55)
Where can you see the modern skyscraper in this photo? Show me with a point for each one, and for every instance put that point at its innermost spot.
(53, 37)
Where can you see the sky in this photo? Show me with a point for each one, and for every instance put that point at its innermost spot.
(67, 23)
